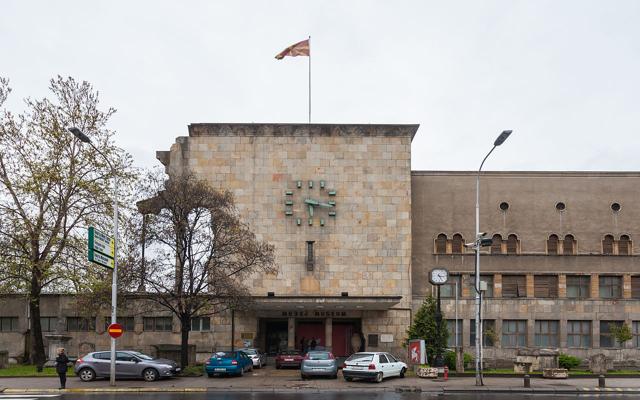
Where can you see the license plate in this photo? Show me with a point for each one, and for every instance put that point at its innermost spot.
(356, 367)
(288, 359)
(220, 369)
(177, 369)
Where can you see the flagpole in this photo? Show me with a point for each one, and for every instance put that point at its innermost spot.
(309, 80)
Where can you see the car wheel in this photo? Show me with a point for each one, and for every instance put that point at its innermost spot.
(86, 374)
(379, 377)
(277, 366)
(402, 372)
(348, 378)
(150, 374)
(241, 372)
(303, 377)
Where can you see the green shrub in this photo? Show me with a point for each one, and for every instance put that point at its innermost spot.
(568, 362)
(450, 359)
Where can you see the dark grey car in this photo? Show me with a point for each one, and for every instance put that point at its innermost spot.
(129, 364)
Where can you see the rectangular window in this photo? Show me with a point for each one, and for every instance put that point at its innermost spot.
(157, 324)
(81, 324)
(448, 290)
(578, 286)
(489, 329)
(545, 286)
(451, 327)
(636, 334)
(373, 340)
(547, 333)
(200, 324)
(48, 324)
(127, 323)
(635, 287)
(8, 324)
(514, 286)
(606, 339)
(486, 278)
(310, 260)
(514, 333)
(610, 287)
(578, 333)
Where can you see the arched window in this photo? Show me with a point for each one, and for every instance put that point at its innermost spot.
(441, 244)
(569, 245)
(624, 245)
(496, 244)
(552, 245)
(456, 244)
(512, 244)
(607, 245)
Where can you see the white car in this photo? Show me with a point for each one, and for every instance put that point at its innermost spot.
(373, 365)
(258, 359)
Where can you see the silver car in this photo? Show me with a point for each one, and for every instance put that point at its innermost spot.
(257, 358)
(129, 364)
(319, 363)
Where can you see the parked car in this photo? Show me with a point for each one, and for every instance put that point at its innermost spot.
(319, 363)
(129, 364)
(373, 365)
(259, 359)
(228, 363)
(289, 358)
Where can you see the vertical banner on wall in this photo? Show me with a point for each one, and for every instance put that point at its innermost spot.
(417, 352)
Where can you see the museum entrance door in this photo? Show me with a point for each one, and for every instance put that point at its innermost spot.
(342, 333)
(276, 336)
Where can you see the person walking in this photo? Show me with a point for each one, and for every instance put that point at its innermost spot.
(61, 367)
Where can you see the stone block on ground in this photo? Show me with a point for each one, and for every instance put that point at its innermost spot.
(555, 373)
(600, 364)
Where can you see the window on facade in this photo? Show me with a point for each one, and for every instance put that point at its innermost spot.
(496, 244)
(512, 244)
(514, 333)
(635, 329)
(48, 324)
(607, 245)
(310, 260)
(606, 338)
(545, 286)
(457, 244)
(8, 324)
(610, 287)
(449, 288)
(441, 244)
(578, 333)
(624, 246)
(489, 328)
(451, 327)
(200, 324)
(127, 323)
(486, 278)
(635, 286)
(569, 245)
(157, 324)
(81, 324)
(547, 333)
(552, 245)
(578, 286)
(514, 286)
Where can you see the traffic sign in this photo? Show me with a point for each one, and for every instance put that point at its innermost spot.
(101, 248)
(115, 330)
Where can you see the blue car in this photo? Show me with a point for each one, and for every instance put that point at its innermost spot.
(228, 363)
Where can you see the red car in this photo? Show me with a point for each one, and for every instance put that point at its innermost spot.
(289, 358)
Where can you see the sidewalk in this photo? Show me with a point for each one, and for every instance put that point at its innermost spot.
(270, 380)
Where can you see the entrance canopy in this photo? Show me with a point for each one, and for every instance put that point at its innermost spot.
(318, 303)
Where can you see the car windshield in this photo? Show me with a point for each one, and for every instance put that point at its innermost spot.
(290, 353)
(361, 357)
(225, 354)
(251, 352)
(318, 355)
(142, 356)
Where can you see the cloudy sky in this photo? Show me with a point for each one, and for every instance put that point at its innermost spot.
(564, 75)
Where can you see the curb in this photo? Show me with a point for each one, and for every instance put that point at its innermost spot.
(103, 390)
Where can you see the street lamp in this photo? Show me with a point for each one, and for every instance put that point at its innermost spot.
(114, 281)
(479, 242)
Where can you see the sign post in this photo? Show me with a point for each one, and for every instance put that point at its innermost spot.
(115, 330)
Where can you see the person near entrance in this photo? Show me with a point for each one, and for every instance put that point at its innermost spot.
(303, 347)
(62, 362)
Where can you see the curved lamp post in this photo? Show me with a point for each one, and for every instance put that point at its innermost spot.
(114, 281)
(478, 244)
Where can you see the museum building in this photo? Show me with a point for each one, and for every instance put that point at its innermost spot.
(356, 233)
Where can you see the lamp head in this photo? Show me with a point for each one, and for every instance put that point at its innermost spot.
(503, 136)
(79, 134)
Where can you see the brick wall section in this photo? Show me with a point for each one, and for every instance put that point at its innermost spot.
(562, 286)
(626, 286)
(595, 286)
(497, 285)
(530, 286)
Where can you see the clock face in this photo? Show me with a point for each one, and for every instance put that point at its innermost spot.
(439, 276)
(310, 202)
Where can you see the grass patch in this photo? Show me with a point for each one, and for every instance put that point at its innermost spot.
(192, 370)
(29, 371)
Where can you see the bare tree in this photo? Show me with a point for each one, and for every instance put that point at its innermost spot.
(51, 189)
(203, 251)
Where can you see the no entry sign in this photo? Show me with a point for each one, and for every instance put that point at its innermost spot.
(115, 330)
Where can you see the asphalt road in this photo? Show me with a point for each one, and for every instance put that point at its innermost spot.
(305, 396)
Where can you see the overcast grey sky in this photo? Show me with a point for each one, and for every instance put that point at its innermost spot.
(564, 75)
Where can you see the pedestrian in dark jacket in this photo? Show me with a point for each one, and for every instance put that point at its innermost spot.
(61, 367)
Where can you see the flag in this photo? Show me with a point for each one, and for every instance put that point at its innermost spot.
(298, 49)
